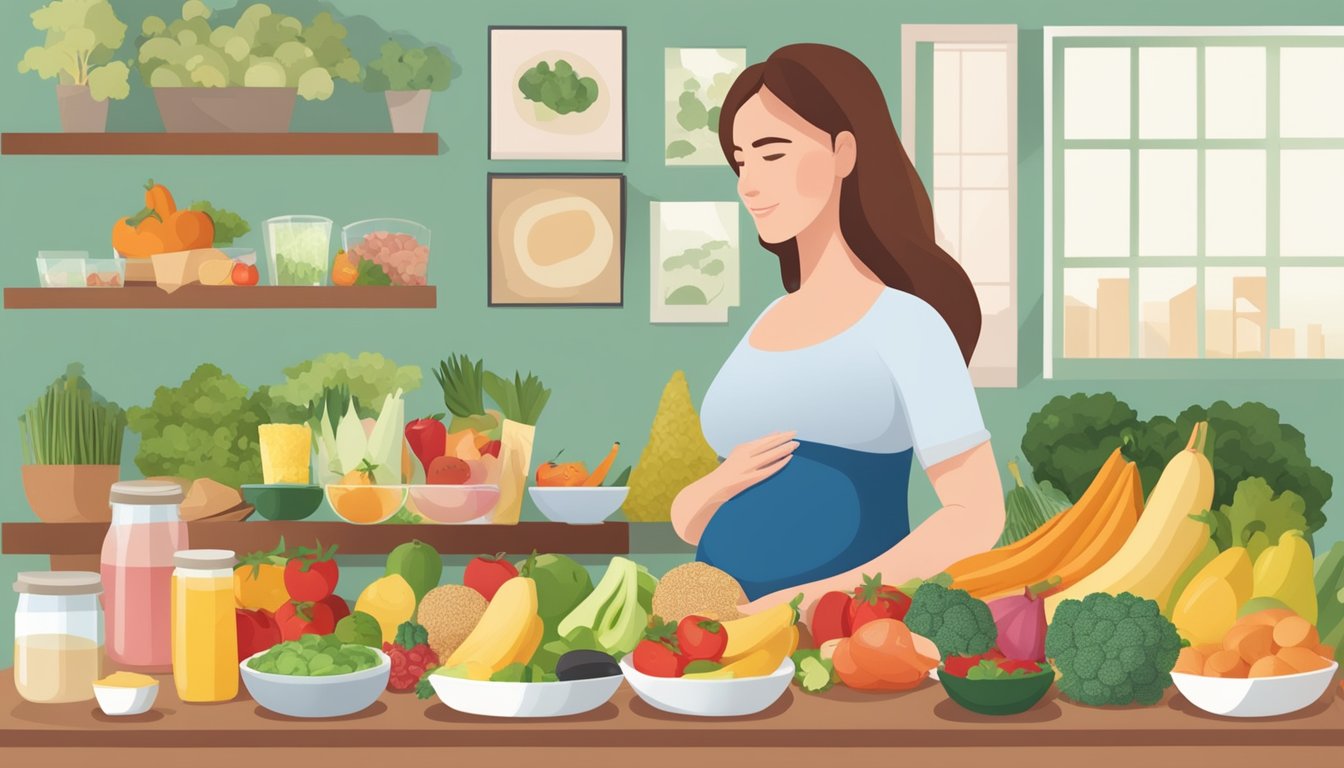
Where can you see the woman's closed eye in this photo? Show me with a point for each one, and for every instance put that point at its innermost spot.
(775, 156)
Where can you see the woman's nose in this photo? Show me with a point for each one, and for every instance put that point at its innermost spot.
(745, 187)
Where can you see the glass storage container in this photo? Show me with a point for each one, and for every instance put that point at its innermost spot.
(58, 635)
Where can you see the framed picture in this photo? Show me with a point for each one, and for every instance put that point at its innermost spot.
(556, 239)
(695, 80)
(695, 264)
(557, 93)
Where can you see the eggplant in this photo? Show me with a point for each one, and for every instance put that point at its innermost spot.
(586, 665)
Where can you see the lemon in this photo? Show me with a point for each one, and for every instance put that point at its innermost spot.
(391, 601)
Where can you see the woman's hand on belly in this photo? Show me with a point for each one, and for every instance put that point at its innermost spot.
(747, 465)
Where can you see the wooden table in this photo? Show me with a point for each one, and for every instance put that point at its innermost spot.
(841, 728)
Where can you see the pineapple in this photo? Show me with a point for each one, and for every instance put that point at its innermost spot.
(676, 456)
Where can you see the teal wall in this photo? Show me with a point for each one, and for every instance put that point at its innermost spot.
(606, 366)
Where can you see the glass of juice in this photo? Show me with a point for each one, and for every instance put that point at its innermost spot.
(205, 633)
(286, 453)
(137, 572)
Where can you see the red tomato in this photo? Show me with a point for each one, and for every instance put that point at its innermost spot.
(339, 608)
(958, 666)
(830, 618)
(658, 659)
(299, 619)
(1012, 665)
(701, 638)
(487, 574)
(311, 575)
(874, 600)
(244, 274)
(257, 632)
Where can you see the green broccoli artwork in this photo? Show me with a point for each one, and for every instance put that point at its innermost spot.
(697, 80)
(1112, 650)
(558, 87)
(957, 623)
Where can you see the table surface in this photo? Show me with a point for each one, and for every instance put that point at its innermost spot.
(920, 718)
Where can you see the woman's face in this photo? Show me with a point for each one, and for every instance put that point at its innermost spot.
(788, 169)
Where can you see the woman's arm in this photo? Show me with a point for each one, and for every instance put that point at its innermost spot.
(970, 521)
(748, 464)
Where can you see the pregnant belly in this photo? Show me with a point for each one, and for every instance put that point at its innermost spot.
(828, 510)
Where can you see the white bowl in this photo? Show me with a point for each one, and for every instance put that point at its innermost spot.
(454, 504)
(331, 696)
(117, 701)
(1255, 696)
(494, 699)
(578, 506)
(710, 698)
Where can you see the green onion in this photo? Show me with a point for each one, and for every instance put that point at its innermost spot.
(71, 424)
(520, 400)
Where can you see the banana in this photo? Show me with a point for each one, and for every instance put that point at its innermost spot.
(1284, 572)
(508, 632)
(751, 632)
(1164, 541)
(762, 660)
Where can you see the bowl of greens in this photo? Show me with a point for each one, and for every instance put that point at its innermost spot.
(996, 686)
(316, 676)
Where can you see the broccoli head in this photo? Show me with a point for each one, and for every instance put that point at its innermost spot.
(957, 623)
(1112, 649)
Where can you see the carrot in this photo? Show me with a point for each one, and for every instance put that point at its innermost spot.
(1301, 659)
(1190, 662)
(1269, 617)
(1252, 643)
(1040, 560)
(1270, 666)
(600, 472)
(1225, 664)
(1294, 631)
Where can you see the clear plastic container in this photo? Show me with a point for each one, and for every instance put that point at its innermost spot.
(58, 636)
(399, 246)
(298, 249)
(105, 273)
(61, 269)
(137, 570)
(205, 635)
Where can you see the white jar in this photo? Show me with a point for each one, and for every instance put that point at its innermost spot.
(58, 635)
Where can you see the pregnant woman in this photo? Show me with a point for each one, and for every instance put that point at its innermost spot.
(859, 367)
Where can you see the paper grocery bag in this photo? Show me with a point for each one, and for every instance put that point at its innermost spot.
(515, 459)
(178, 268)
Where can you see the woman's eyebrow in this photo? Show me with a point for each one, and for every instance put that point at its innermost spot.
(770, 140)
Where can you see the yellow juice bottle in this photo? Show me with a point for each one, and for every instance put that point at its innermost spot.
(205, 633)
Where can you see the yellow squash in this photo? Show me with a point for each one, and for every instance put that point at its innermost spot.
(1208, 607)
(1284, 573)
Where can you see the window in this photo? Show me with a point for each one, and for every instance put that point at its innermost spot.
(959, 122)
(1194, 193)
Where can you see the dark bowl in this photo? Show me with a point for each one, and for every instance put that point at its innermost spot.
(284, 501)
(1005, 696)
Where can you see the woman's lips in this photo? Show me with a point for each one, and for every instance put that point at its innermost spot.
(763, 210)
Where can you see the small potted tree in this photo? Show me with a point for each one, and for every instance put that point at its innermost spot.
(407, 77)
(82, 38)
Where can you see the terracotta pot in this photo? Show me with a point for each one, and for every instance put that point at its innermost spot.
(70, 493)
(80, 112)
(407, 110)
(226, 110)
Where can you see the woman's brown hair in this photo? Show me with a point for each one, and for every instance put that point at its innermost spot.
(885, 215)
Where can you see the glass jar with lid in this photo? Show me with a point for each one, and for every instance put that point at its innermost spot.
(58, 635)
(205, 632)
(137, 570)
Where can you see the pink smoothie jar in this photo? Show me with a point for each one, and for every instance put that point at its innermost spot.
(137, 573)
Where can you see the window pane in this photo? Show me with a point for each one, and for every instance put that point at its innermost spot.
(1234, 92)
(947, 171)
(1096, 202)
(984, 235)
(1096, 313)
(1311, 102)
(997, 347)
(1309, 305)
(1168, 202)
(984, 118)
(946, 101)
(1167, 99)
(1168, 313)
(947, 221)
(1311, 202)
(1234, 207)
(1096, 93)
(984, 171)
(1236, 312)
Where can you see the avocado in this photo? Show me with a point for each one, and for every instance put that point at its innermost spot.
(586, 665)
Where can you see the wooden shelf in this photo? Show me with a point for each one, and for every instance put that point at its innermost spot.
(225, 297)
(219, 144)
(250, 535)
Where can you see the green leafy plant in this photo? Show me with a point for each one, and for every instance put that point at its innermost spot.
(263, 49)
(369, 379)
(403, 69)
(82, 38)
(71, 424)
(229, 226)
(1256, 518)
(520, 400)
(560, 88)
(204, 427)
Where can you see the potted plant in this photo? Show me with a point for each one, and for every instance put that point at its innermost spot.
(408, 76)
(82, 38)
(71, 451)
(243, 78)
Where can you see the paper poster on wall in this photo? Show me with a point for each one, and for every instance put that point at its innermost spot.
(557, 93)
(694, 270)
(695, 82)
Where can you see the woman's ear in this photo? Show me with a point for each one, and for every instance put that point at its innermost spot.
(846, 153)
